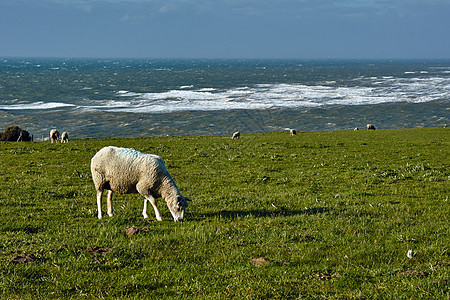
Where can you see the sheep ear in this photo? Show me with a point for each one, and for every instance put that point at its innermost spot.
(187, 199)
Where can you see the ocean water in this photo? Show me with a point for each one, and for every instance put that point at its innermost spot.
(104, 98)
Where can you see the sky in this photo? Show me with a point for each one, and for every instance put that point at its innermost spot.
(306, 29)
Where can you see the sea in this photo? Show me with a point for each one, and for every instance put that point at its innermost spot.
(110, 98)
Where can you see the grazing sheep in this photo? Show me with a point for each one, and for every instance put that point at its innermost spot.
(370, 127)
(356, 128)
(236, 135)
(54, 135)
(292, 132)
(64, 137)
(126, 171)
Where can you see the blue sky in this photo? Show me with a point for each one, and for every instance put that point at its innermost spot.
(226, 28)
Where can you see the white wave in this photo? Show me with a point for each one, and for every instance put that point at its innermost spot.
(127, 94)
(107, 104)
(36, 105)
(362, 91)
(376, 90)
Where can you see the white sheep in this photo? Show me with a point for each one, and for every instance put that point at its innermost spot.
(64, 137)
(293, 132)
(236, 135)
(126, 171)
(54, 135)
(370, 127)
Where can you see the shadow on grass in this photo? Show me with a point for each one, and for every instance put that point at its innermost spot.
(259, 213)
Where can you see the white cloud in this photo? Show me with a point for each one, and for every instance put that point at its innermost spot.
(133, 19)
(168, 7)
(85, 7)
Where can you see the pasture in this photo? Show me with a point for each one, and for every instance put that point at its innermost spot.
(326, 215)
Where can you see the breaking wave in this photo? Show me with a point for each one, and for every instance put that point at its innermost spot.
(374, 90)
(91, 98)
(36, 106)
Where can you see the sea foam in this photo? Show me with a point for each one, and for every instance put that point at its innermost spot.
(36, 105)
(99, 97)
(375, 90)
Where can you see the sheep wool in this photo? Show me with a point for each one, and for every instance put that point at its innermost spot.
(54, 135)
(64, 137)
(126, 171)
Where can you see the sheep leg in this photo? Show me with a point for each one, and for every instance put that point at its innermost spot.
(153, 202)
(99, 203)
(144, 212)
(109, 202)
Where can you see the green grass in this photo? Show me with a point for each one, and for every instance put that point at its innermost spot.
(335, 212)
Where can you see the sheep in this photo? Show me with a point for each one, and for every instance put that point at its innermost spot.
(126, 171)
(236, 135)
(356, 129)
(64, 137)
(370, 127)
(54, 135)
(292, 132)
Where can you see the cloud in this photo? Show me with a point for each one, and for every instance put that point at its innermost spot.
(86, 7)
(132, 19)
(168, 7)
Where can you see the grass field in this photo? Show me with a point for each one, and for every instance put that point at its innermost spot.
(318, 215)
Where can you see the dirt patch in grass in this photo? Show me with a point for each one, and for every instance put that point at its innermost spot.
(443, 281)
(19, 259)
(263, 262)
(306, 237)
(410, 273)
(130, 231)
(99, 250)
(443, 263)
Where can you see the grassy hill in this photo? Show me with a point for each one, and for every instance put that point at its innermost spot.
(316, 215)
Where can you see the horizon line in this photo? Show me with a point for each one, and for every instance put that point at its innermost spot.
(221, 58)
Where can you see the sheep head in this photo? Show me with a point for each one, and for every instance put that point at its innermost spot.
(178, 207)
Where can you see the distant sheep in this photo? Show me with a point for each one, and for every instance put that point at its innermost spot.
(64, 137)
(292, 132)
(370, 127)
(54, 135)
(126, 171)
(236, 135)
(356, 128)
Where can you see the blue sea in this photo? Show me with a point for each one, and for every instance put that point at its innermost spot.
(103, 98)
